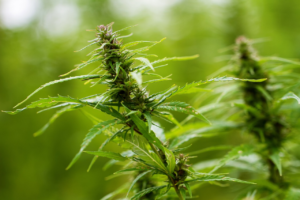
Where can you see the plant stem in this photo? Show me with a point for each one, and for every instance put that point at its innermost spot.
(178, 192)
(170, 178)
(155, 151)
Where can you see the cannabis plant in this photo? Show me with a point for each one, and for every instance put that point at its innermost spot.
(260, 110)
(133, 109)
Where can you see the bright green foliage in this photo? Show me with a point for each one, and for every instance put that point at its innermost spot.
(106, 154)
(215, 177)
(96, 130)
(260, 107)
(146, 191)
(264, 112)
(293, 194)
(182, 107)
(235, 153)
(136, 179)
(267, 124)
(130, 105)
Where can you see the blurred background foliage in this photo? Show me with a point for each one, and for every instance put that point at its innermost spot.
(38, 39)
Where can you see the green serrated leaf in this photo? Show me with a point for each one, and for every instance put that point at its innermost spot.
(170, 158)
(184, 108)
(117, 70)
(187, 87)
(102, 146)
(291, 95)
(109, 110)
(54, 117)
(147, 47)
(130, 44)
(96, 130)
(146, 191)
(131, 170)
(124, 36)
(264, 93)
(135, 180)
(112, 155)
(116, 192)
(47, 102)
(86, 63)
(158, 80)
(149, 120)
(151, 158)
(145, 61)
(216, 177)
(58, 81)
(123, 29)
(235, 153)
(276, 160)
(183, 193)
(87, 46)
(141, 125)
(213, 148)
(176, 59)
(189, 189)
(274, 58)
(177, 150)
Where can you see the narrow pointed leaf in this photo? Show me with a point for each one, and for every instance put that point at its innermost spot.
(216, 177)
(47, 102)
(58, 81)
(87, 46)
(146, 191)
(146, 62)
(54, 117)
(183, 193)
(96, 130)
(131, 170)
(213, 148)
(170, 160)
(101, 147)
(125, 36)
(112, 155)
(149, 120)
(117, 70)
(276, 160)
(130, 44)
(151, 159)
(291, 95)
(136, 179)
(93, 59)
(176, 59)
(123, 29)
(141, 125)
(218, 79)
(184, 108)
(235, 153)
(189, 189)
(158, 80)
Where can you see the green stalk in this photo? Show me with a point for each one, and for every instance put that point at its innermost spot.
(178, 192)
(170, 178)
(267, 126)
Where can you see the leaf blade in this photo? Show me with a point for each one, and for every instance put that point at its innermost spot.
(107, 154)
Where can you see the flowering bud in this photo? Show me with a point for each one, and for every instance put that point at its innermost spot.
(181, 156)
(101, 27)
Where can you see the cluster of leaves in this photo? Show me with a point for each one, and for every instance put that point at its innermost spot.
(260, 110)
(148, 150)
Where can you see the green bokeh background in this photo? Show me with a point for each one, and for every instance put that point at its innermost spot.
(39, 50)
